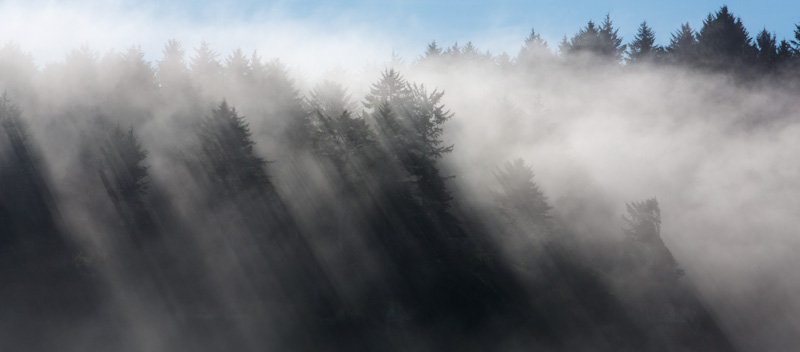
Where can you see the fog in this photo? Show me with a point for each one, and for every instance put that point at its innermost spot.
(718, 156)
(267, 186)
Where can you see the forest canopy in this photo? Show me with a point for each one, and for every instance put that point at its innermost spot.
(593, 193)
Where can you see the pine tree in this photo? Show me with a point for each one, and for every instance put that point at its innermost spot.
(432, 51)
(330, 99)
(645, 246)
(120, 165)
(17, 73)
(603, 41)
(281, 104)
(683, 45)
(206, 69)
(767, 49)
(238, 68)
(228, 150)
(586, 40)
(392, 88)
(520, 198)
(785, 53)
(723, 42)
(409, 123)
(796, 40)
(172, 70)
(643, 47)
(610, 44)
(24, 195)
(534, 50)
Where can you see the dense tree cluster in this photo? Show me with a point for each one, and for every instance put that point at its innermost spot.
(722, 44)
(213, 194)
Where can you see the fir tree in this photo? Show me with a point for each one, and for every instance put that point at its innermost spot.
(683, 45)
(643, 47)
(227, 147)
(520, 198)
(610, 44)
(723, 42)
(767, 48)
(534, 50)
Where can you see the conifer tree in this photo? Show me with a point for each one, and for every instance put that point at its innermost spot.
(723, 42)
(767, 48)
(206, 69)
(785, 52)
(432, 51)
(330, 99)
(643, 236)
(683, 45)
(796, 40)
(534, 50)
(237, 67)
(610, 44)
(520, 198)
(603, 41)
(17, 73)
(643, 47)
(392, 88)
(586, 40)
(228, 150)
(172, 70)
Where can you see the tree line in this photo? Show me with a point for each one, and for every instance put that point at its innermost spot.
(214, 196)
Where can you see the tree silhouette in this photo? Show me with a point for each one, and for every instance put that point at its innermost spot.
(603, 41)
(723, 42)
(228, 149)
(610, 44)
(767, 49)
(586, 40)
(519, 197)
(682, 47)
(643, 46)
(534, 50)
(646, 248)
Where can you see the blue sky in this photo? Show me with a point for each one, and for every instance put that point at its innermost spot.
(334, 33)
(450, 21)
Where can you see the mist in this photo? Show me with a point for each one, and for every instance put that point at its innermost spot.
(231, 191)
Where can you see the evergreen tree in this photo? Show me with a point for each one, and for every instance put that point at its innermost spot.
(643, 47)
(24, 195)
(796, 40)
(683, 45)
(392, 88)
(586, 40)
(643, 235)
(767, 49)
(120, 166)
(238, 68)
(206, 69)
(330, 99)
(410, 126)
(534, 50)
(136, 71)
(520, 198)
(610, 44)
(17, 73)
(723, 42)
(281, 104)
(228, 150)
(785, 53)
(134, 86)
(603, 41)
(345, 141)
(432, 51)
(172, 70)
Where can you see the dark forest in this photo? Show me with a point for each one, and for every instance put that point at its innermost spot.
(587, 195)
